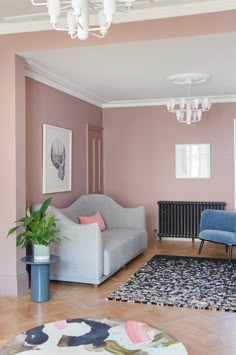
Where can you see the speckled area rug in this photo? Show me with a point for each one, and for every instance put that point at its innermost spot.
(190, 282)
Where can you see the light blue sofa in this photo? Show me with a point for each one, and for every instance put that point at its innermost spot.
(91, 256)
(218, 227)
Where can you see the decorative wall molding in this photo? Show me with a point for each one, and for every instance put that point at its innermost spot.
(7, 27)
(163, 102)
(40, 22)
(175, 10)
(38, 73)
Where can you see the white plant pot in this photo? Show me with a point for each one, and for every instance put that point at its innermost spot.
(41, 252)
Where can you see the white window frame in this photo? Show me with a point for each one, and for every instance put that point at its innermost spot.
(184, 168)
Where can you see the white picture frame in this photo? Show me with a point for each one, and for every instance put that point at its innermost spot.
(57, 159)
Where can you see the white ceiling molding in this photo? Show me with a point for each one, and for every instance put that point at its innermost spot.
(38, 73)
(174, 10)
(40, 22)
(163, 102)
(46, 77)
(23, 26)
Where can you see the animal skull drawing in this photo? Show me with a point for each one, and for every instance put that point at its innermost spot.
(58, 156)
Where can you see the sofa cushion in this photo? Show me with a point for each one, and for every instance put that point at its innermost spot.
(221, 236)
(120, 246)
(96, 218)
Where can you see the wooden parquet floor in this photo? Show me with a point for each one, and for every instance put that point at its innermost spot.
(203, 332)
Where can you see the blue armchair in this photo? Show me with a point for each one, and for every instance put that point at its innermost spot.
(218, 227)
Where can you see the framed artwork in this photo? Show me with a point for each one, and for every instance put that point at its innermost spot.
(57, 159)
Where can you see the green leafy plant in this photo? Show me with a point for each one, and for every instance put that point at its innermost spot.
(36, 228)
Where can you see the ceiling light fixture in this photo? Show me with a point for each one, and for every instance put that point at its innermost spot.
(77, 13)
(189, 109)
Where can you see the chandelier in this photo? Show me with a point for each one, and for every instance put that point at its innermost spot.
(77, 14)
(189, 109)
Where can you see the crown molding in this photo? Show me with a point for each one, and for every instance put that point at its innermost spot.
(39, 73)
(175, 10)
(163, 102)
(24, 26)
(32, 23)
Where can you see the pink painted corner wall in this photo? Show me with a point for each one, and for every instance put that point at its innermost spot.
(141, 170)
(12, 186)
(50, 106)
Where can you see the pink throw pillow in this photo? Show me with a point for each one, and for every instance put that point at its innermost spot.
(92, 219)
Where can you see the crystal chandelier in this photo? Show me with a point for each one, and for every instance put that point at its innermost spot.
(77, 14)
(189, 109)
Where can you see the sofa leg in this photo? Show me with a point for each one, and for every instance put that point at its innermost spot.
(230, 252)
(200, 247)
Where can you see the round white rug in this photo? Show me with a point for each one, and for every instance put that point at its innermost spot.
(94, 336)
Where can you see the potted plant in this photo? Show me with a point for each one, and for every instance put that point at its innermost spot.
(37, 229)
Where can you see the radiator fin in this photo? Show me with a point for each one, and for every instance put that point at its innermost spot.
(180, 219)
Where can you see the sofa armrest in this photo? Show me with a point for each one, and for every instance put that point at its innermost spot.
(81, 251)
(81, 254)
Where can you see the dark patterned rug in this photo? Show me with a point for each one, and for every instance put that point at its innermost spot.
(190, 282)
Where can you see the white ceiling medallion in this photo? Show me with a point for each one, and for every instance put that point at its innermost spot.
(187, 78)
(189, 109)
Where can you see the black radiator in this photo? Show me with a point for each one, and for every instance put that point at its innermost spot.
(180, 219)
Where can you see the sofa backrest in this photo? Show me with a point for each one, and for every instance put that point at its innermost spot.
(87, 205)
(218, 220)
(113, 214)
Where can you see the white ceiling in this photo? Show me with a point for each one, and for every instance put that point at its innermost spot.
(137, 71)
(132, 73)
(21, 15)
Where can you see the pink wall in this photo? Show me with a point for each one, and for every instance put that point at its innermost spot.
(12, 186)
(141, 170)
(22, 276)
(47, 105)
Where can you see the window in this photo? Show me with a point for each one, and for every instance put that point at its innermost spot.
(192, 161)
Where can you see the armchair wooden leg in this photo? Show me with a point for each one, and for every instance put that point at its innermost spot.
(200, 247)
(230, 252)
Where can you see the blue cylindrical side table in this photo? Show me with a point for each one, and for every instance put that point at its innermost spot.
(40, 278)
